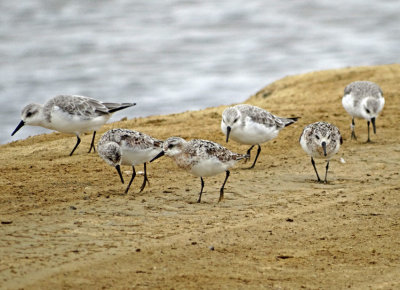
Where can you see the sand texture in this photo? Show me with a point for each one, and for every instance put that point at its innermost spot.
(66, 223)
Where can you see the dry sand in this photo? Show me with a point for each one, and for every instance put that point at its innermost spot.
(65, 222)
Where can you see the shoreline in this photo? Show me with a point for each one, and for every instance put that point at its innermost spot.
(71, 226)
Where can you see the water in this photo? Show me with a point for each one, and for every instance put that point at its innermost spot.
(176, 55)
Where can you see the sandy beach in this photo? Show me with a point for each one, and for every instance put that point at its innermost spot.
(66, 222)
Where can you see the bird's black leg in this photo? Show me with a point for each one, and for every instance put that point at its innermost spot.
(315, 168)
(76, 145)
(368, 140)
(221, 192)
(326, 172)
(353, 133)
(248, 151)
(201, 190)
(132, 178)
(92, 144)
(145, 178)
(255, 160)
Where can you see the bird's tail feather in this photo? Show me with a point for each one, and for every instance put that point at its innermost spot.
(290, 121)
(114, 107)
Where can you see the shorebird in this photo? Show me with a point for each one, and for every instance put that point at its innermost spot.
(70, 114)
(252, 125)
(126, 147)
(321, 140)
(363, 99)
(202, 158)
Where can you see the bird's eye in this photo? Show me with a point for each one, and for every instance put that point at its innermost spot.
(170, 146)
(329, 137)
(29, 114)
(316, 136)
(234, 121)
(367, 111)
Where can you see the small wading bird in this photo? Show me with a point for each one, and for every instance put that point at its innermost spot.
(202, 158)
(321, 140)
(363, 99)
(126, 147)
(70, 114)
(252, 125)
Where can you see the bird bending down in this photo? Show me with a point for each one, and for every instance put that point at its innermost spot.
(70, 114)
(321, 140)
(252, 125)
(363, 99)
(202, 158)
(126, 147)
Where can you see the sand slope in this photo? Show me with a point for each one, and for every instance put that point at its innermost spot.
(67, 224)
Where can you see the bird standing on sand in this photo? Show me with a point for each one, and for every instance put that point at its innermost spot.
(202, 158)
(126, 147)
(252, 125)
(363, 99)
(70, 114)
(321, 140)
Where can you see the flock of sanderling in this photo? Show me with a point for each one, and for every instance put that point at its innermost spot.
(245, 124)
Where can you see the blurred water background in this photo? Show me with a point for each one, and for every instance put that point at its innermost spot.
(176, 55)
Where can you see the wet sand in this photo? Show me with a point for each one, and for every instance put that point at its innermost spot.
(66, 223)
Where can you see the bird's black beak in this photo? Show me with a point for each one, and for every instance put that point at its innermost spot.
(228, 131)
(158, 156)
(21, 124)
(323, 144)
(373, 124)
(119, 172)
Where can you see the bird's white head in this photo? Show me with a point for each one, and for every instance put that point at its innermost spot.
(231, 119)
(173, 146)
(322, 140)
(325, 136)
(31, 114)
(370, 108)
(111, 153)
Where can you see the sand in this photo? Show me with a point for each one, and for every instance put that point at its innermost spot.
(66, 223)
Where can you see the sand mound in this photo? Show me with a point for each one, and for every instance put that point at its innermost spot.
(67, 224)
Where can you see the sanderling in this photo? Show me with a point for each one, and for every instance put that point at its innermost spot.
(126, 147)
(321, 140)
(363, 99)
(202, 158)
(252, 125)
(70, 114)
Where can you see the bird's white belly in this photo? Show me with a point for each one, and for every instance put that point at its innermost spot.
(305, 147)
(348, 105)
(138, 156)
(210, 167)
(74, 124)
(381, 104)
(254, 133)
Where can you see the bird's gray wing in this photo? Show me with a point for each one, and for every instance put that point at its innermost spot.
(77, 106)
